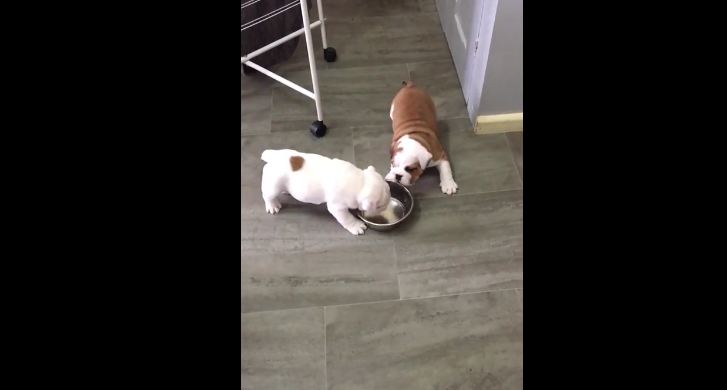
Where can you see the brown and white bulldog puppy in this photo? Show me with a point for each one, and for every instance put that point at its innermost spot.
(415, 145)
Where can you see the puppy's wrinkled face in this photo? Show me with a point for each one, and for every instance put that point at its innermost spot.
(375, 195)
(407, 174)
(409, 159)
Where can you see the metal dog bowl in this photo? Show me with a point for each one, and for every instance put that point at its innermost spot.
(400, 206)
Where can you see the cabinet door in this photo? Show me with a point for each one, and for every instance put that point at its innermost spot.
(462, 22)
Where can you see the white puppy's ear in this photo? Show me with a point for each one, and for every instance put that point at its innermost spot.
(424, 159)
(371, 168)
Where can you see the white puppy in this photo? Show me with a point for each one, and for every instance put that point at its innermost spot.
(312, 178)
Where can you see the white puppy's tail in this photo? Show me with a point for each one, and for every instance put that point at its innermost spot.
(270, 154)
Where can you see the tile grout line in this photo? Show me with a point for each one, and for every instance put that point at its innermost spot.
(434, 296)
(396, 265)
(421, 198)
(519, 293)
(353, 147)
(325, 352)
(434, 62)
(388, 300)
(278, 85)
(270, 127)
(393, 64)
(353, 127)
(472, 194)
(512, 157)
(368, 18)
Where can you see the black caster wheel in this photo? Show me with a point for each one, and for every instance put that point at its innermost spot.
(329, 54)
(318, 129)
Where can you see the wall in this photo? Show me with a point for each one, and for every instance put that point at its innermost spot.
(503, 84)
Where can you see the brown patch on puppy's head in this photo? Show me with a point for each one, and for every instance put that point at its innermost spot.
(296, 162)
(395, 148)
(395, 151)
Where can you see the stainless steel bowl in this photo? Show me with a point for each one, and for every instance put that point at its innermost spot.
(400, 206)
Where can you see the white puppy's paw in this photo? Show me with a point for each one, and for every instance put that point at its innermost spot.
(449, 187)
(272, 207)
(356, 228)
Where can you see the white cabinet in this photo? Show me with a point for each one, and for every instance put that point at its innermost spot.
(468, 27)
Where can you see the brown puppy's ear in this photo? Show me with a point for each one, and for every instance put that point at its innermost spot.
(424, 161)
(415, 171)
(427, 164)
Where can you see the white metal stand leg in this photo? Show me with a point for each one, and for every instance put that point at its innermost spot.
(311, 57)
(329, 54)
(323, 24)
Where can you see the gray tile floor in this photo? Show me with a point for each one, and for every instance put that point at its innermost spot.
(435, 304)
